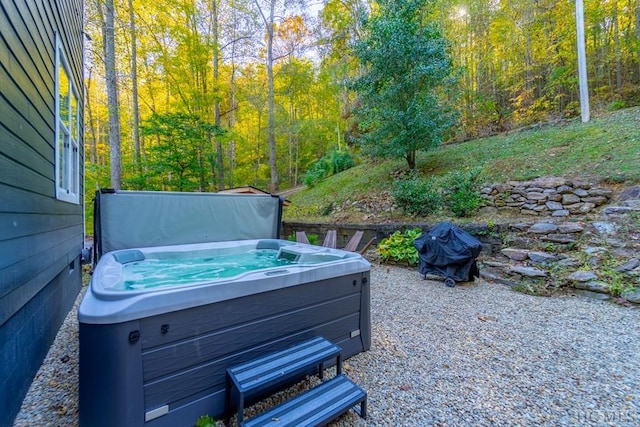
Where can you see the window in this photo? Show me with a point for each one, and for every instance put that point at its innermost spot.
(67, 149)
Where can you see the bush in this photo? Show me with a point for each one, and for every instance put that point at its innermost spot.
(417, 196)
(462, 195)
(399, 248)
(330, 164)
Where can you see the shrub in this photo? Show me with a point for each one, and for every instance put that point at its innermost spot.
(462, 195)
(205, 421)
(417, 196)
(330, 164)
(399, 248)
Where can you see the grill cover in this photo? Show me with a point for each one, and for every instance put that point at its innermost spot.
(449, 251)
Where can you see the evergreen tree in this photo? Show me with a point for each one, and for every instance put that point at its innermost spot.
(405, 68)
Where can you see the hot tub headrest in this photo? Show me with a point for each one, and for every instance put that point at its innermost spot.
(131, 255)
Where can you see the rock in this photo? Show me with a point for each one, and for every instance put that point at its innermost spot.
(568, 262)
(549, 182)
(528, 212)
(574, 208)
(540, 208)
(554, 197)
(496, 278)
(590, 250)
(582, 276)
(630, 193)
(581, 192)
(596, 200)
(593, 286)
(502, 188)
(596, 261)
(570, 228)
(496, 264)
(541, 257)
(533, 195)
(490, 210)
(563, 189)
(586, 208)
(520, 226)
(581, 184)
(569, 199)
(515, 254)
(623, 252)
(632, 295)
(634, 203)
(593, 295)
(528, 271)
(543, 228)
(612, 210)
(554, 206)
(628, 266)
(561, 212)
(605, 227)
(601, 192)
(559, 238)
(611, 241)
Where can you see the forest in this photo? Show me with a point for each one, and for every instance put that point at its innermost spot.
(203, 95)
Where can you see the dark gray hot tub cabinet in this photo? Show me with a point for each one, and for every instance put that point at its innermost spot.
(168, 369)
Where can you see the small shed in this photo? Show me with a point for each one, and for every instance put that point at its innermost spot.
(248, 189)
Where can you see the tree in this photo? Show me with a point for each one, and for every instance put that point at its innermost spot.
(107, 20)
(406, 66)
(175, 161)
(137, 148)
(269, 22)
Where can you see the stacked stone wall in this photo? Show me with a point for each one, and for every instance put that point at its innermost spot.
(550, 196)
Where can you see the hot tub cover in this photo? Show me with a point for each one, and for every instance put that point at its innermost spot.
(136, 219)
(449, 251)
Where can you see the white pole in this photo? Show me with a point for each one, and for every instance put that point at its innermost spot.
(582, 63)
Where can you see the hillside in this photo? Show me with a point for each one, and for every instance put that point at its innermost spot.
(605, 150)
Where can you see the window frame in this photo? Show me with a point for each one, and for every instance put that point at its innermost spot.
(67, 158)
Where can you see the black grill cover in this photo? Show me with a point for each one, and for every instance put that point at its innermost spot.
(449, 251)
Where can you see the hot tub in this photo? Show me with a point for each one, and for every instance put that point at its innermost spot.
(155, 352)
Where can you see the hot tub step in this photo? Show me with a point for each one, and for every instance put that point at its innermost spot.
(259, 376)
(315, 407)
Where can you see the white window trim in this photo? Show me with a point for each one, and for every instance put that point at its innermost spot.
(72, 169)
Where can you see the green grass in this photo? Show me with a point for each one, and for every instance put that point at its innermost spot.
(607, 150)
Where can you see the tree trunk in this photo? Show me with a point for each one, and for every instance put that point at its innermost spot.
(108, 31)
(411, 159)
(216, 107)
(93, 158)
(268, 23)
(616, 43)
(272, 132)
(137, 148)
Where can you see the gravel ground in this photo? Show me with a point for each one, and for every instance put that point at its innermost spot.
(478, 354)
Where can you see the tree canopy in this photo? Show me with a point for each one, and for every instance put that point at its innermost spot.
(515, 62)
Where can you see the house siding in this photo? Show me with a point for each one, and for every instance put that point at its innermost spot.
(41, 238)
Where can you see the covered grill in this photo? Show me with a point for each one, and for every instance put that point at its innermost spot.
(448, 251)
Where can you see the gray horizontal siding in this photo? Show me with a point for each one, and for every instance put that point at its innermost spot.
(40, 236)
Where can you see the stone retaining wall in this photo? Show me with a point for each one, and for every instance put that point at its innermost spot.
(550, 196)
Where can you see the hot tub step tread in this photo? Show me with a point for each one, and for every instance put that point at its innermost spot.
(275, 367)
(264, 374)
(316, 406)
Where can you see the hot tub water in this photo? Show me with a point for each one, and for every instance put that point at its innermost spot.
(153, 273)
